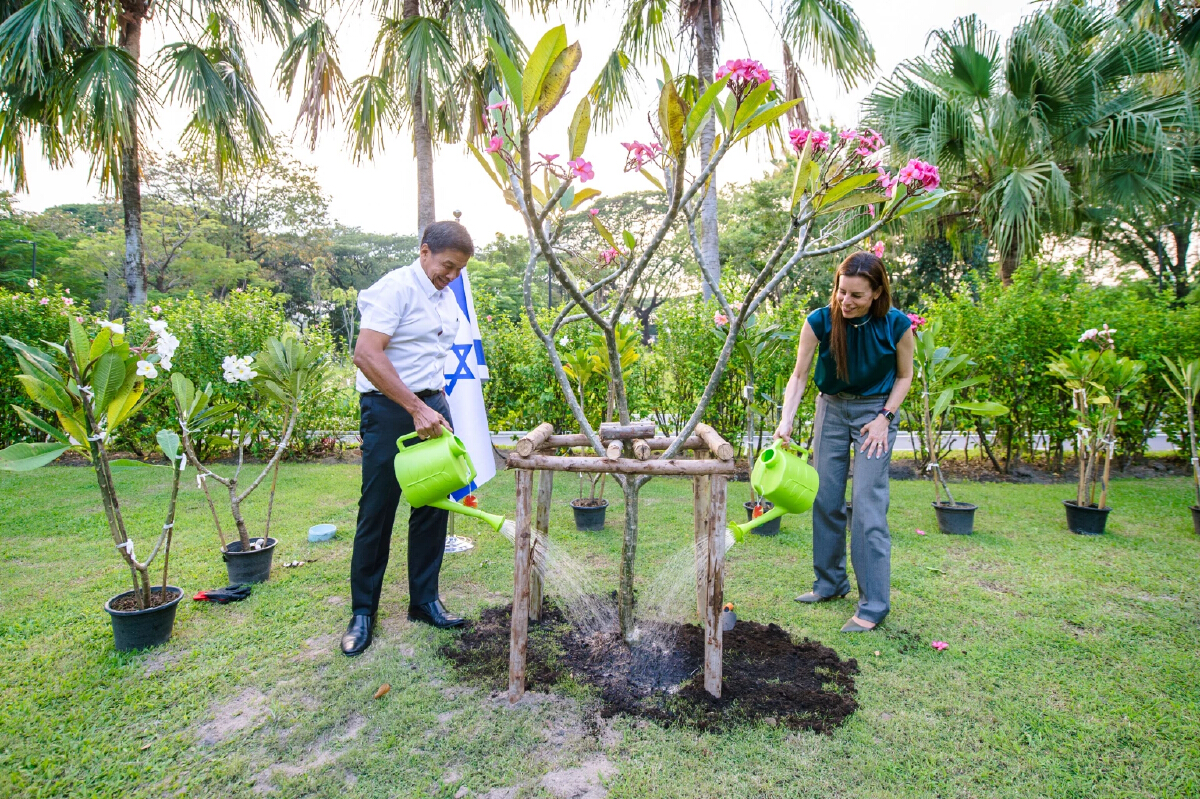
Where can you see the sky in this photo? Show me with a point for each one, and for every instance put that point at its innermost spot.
(380, 196)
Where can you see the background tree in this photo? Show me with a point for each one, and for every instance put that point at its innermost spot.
(74, 73)
(431, 71)
(1062, 120)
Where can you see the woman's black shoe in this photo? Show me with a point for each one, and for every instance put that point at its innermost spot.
(358, 634)
(433, 613)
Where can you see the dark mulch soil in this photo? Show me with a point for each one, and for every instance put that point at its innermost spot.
(767, 676)
(130, 602)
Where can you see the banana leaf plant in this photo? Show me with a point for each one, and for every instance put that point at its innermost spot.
(92, 385)
(1187, 387)
(285, 373)
(942, 375)
(1097, 380)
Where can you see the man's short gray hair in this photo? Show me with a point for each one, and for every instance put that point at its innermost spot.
(442, 236)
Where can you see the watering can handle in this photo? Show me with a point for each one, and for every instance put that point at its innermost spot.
(799, 450)
(407, 437)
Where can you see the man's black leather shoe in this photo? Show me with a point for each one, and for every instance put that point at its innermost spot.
(434, 613)
(358, 634)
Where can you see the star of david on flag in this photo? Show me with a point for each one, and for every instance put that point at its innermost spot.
(465, 370)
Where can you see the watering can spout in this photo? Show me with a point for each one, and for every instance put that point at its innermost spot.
(492, 519)
(740, 530)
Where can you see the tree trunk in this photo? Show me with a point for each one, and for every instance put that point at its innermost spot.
(1182, 234)
(628, 556)
(706, 53)
(1008, 264)
(131, 169)
(422, 146)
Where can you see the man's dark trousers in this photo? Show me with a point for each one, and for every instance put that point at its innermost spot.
(382, 422)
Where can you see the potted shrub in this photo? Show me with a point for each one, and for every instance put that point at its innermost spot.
(941, 375)
(1187, 387)
(580, 365)
(285, 373)
(103, 385)
(1097, 381)
(755, 342)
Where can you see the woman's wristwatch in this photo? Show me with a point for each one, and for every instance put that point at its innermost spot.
(891, 415)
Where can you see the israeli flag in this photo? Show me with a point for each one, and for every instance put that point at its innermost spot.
(465, 370)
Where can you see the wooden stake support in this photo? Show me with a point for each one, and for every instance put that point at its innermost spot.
(709, 470)
(542, 525)
(522, 561)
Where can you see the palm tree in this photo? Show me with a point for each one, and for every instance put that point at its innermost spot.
(431, 69)
(827, 31)
(1035, 139)
(74, 73)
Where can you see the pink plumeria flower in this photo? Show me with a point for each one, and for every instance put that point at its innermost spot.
(1089, 334)
(820, 140)
(79, 319)
(609, 255)
(548, 158)
(871, 210)
(44, 301)
(157, 309)
(594, 211)
(878, 249)
(848, 135)
(919, 532)
(720, 319)
(745, 71)
(940, 645)
(66, 291)
(68, 301)
(489, 317)
(917, 321)
(640, 154)
(798, 137)
(501, 104)
(581, 169)
(494, 144)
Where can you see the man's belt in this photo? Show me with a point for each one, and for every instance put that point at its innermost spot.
(426, 394)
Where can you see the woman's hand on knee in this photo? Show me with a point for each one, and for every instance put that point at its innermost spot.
(876, 432)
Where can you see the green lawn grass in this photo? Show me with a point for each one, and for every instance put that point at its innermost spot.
(1072, 667)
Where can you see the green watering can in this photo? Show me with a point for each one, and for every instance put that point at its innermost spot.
(782, 476)
(430, 471)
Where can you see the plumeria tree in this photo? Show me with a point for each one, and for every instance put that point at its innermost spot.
(942, 375)
(284, 374)
(1098, 380)
(102, 386)
(1186, 385)
(836, 183)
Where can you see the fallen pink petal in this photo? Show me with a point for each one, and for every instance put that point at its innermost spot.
(939, 645)
(920, 532)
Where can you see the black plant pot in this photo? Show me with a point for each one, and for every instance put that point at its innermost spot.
(771, 527)
(1087, 520)
(589, 518)
(956, 519)
(251, 566)
(1196, 518)
(138, 629)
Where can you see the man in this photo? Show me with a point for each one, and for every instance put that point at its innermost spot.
(409, 320)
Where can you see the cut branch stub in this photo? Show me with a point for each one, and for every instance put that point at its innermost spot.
(613, 452)
(534, 439)
(658, 443)
(641, 450)
(720, 448)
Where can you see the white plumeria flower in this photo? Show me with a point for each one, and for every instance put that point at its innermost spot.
(237, 370)
(157, 326)
(1089, 334)
(165, 363)
(113, 327)
(33, 282)
(146, 369)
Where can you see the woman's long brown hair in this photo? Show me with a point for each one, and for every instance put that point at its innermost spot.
(860, 264)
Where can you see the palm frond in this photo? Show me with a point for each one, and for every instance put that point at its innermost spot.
(325, 87)
(373, 109)
(831, 33)
(612, 92)
(35, 39)
(418, 59)
(100, 106)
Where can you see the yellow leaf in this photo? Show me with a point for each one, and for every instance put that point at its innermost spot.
(558, 77)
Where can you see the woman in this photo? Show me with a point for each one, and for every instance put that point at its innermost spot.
(864, 351)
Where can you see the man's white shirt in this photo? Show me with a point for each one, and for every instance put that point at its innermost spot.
(421, 321)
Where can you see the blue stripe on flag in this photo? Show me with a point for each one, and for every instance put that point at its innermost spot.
(460, 294)
(462, 492)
